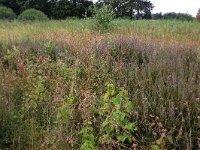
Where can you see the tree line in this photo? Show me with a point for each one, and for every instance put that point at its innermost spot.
(61, 9)
(139, 9)
(173, 15)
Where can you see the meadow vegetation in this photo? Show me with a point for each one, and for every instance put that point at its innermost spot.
(65, 85)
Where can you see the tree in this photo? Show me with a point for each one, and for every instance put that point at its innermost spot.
(71, 8)
(61, 9)
(130, 8)
(55, 9)
(42, 5)
(157, 16)
(82, 8)
(178, 16)
(147, 7)
(6, 13)
(198, 15)
(11, 4)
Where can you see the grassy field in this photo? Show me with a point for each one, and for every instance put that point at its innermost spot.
(64, 85)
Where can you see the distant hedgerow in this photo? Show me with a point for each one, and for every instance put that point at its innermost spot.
(32, 15)
(6, 13)
(178, 16)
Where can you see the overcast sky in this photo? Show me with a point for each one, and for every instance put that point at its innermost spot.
(184, 6)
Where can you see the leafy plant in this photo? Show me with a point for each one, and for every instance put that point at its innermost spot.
(103, 16)
(115, 113)
(155, 147)
(88, 139)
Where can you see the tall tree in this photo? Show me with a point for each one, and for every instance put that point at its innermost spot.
(11, 4)
(198, 15)
(42, 5)
(56, 9)
(71, 8)
(62, 9)
(130, 8)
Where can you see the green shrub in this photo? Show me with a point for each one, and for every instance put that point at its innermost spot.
(6, 13)
(32, 15)
(103, 17)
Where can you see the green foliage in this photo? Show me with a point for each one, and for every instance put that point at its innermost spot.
(57, 9)
(50, 49)
(155, 147)
(103, 16)
(62, 9)
(186, 17)
(115, 113)
(39, 81)
(88, 139)
(6, 13)
(32, 15)
(178, 16)
(173, 15)
(140, 9)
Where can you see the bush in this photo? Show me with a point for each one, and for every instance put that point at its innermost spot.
(7, 13)
(103, 17)
(32, 14)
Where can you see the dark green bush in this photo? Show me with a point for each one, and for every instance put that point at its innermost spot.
(32, 15)
(6, 13)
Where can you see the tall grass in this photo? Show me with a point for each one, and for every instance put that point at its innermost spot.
(65, 86)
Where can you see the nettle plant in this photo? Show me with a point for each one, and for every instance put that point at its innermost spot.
(115, 113)
(88, 139)
(113, 116)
